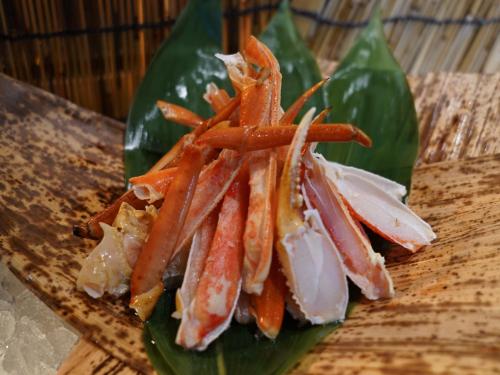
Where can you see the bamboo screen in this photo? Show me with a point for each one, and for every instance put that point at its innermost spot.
(94, 52)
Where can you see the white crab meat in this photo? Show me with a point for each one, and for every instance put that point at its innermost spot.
(376, 202)
(314, 271)
(147, 192)
(364, 266)
(311, 263)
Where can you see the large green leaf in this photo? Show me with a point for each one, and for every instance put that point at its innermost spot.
(239, 350)
(297, 64)
(178, 73)
(370, 90)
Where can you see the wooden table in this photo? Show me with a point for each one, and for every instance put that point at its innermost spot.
(61, 163)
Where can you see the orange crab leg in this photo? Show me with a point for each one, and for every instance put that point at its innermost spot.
(159, 180)
(269, 307)
(260, 106)
(292, 111)
(265, 137)
(212, 308)
(171, 158)
(318, 120)
(160, 245)
(178, 114)
(216, 97)
(92, 229)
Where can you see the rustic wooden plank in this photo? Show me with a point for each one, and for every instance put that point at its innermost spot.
(458, 115)
(86, 358)
(63, 163)
(445, 317)
(60, 164)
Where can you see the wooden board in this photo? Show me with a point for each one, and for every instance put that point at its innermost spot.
(61, 163)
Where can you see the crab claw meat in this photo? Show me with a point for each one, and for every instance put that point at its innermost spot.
(377, 205)
(310, 260)
(214, 303)
(364, 266)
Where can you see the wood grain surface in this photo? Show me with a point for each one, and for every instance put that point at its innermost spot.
(60, 164)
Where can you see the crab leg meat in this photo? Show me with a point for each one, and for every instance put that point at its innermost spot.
(363, 266)
(216, 97)
(269, 307)
(200, 246)
(178, 114)
(378, 209)
(293, 111)
(311, 263)
(160, 245)
(212, 308)
(259, 138)
(154, 185)
(92, 228)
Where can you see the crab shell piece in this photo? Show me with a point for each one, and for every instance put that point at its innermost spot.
(109, 266)
(376, 202)
(311, 263)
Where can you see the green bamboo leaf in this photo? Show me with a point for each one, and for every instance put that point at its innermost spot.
(239, 350)
(178, 73)
(369, 89)
(297, 64)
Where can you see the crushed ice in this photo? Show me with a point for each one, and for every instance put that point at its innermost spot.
(33, 340)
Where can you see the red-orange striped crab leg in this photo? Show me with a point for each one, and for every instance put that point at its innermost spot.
(212, 308)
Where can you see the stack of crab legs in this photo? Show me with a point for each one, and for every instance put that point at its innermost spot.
(253, 219)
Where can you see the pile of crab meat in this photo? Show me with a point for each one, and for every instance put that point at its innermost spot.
(246, 220)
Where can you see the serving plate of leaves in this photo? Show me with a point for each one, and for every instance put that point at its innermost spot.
(108, 322)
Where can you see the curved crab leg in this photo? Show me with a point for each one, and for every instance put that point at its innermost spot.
(178, 114)
(293, 111)
(260, 138)
(269, 307)
(212, 308)
(363, 266)
(160, 245)
(309, 258)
